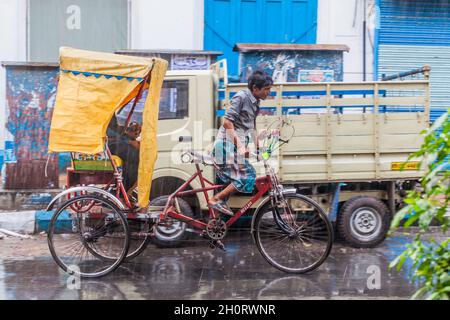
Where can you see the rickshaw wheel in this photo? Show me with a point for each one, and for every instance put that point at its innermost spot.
(75, 239)
(77, 206)
(138, 241)
(139, 231)
(139, 237)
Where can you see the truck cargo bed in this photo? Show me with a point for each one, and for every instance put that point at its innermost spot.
(347, 131)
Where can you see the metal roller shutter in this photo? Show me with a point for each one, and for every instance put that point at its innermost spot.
(414, 33)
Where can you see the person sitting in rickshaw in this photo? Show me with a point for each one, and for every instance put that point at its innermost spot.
(231, 145)
(126, 147)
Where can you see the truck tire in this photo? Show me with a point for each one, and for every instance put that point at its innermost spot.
(173, 235)
(363, 222)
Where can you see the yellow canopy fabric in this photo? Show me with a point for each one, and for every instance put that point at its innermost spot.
(148, 151)
(104, 63)
(91, 87)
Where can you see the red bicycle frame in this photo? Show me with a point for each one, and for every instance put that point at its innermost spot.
(263, 184)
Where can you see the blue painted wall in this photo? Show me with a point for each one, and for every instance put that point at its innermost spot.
(228, 22)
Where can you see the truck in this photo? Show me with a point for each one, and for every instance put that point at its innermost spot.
(349, 150)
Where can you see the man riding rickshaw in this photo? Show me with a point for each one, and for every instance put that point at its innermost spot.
(99, 221)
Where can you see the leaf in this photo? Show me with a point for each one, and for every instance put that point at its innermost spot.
(437, 169)
(434, 296)
(430, 258)
(399, 216)
(430, 158)
(399, 261)
(411, 220)
(419, 293)
(438, 123)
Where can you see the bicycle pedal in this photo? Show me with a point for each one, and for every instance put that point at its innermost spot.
(221, 246)
(217, 244)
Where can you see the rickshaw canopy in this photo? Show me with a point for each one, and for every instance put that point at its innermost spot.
(91, 87)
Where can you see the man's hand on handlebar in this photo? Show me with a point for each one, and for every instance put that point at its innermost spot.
(259, 155)
(243, 151)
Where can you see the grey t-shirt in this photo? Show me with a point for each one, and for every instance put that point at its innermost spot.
(243, 109)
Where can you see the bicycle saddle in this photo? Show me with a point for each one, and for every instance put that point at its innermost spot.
(198, 157)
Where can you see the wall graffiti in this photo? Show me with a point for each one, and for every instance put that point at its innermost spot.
(289, 66)
(30, 95)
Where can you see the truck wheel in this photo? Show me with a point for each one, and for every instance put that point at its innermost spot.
(171, 233)
(363, 222)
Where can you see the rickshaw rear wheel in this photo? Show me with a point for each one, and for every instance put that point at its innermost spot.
(138, 243)
(74, 238)
(140, 232)
(76, 206)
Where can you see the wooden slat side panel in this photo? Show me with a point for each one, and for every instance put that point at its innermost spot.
(344, 167)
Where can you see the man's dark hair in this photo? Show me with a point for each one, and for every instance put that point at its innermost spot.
(259, 79)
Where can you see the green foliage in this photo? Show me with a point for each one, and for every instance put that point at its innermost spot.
(430, 258)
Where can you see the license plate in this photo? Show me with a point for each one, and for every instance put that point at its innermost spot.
(413, 165)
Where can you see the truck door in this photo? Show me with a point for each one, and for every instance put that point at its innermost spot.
(176, 119)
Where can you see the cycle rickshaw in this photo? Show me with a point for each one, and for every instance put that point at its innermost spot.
(97, 224)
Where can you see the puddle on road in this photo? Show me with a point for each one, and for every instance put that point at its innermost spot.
(197, 273)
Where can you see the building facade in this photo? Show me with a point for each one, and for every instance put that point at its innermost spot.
(31, 30)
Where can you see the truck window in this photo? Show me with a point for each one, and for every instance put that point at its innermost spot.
(173, 103)
(174, 100)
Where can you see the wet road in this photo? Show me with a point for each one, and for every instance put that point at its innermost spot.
(197, 272)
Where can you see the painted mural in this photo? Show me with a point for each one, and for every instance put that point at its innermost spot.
(290, 66)
(30, 95)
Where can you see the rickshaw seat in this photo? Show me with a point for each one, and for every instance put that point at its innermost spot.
(96, 162)
(91, 169)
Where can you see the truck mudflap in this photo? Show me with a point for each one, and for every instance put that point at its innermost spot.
(332, 215)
